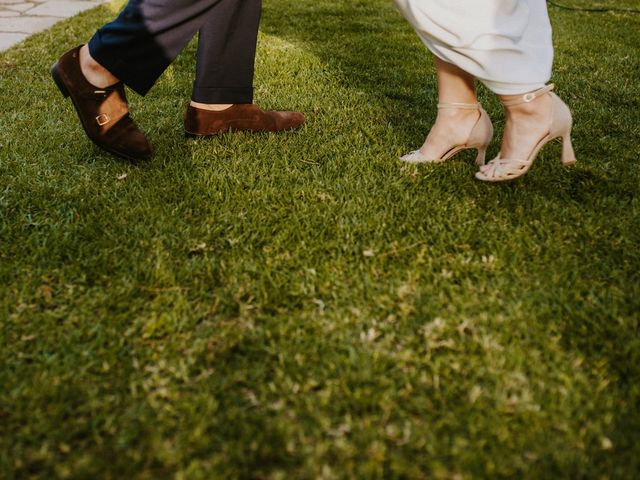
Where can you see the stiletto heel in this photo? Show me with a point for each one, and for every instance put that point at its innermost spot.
(482, 156)
(568, 155)
(503, 169)
(479, 137)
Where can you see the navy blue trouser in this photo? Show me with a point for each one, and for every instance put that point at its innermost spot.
(149, 34)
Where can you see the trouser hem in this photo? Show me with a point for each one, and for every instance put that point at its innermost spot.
(123, 71)
(222, 95)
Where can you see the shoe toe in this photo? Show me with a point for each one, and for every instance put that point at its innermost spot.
(137, 146)
(290, 120)
(127, 141)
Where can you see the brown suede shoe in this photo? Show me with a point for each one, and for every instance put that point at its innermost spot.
(103, 112)
(240, 117)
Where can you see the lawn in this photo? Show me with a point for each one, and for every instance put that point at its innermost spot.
(303, 305)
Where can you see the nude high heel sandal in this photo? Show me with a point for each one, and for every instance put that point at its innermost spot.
(479, 138)
(503, 169)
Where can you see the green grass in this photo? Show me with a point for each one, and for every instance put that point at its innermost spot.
(303, 305)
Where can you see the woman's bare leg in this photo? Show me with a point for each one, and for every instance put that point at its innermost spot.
(452, 126)
(526, 124)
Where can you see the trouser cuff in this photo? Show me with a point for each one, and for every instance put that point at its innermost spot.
(141, 79)
(222, 95)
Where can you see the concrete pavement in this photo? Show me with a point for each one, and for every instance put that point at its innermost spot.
(21, 18)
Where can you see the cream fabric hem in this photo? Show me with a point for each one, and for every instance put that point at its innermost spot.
(506, 44)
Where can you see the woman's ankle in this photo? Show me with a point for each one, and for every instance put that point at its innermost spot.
(537, 110)
(526, 124)
(451, 128)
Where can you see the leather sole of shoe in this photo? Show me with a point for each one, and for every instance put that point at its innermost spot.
(234, 130)
(57, 78)
(199, 135)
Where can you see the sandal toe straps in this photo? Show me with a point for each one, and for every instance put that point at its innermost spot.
(505, 168)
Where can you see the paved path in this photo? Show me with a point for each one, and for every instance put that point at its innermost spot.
(21, 18)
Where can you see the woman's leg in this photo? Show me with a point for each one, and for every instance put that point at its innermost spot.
(526, 124)
(452, 125)
(534, 119)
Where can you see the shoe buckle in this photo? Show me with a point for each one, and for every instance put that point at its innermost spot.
(102, 119)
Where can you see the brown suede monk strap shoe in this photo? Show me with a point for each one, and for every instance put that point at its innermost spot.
(246, 117)
(103, 112)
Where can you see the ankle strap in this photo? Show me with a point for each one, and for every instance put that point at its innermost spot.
(462, 106)
(528, 97)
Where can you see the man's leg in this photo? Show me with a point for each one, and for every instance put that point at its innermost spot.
(226, 53)
(223, 88)
(147, 36)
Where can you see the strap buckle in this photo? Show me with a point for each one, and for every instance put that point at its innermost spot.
(103, 119)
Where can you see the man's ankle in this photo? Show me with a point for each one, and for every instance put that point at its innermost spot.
(212, 107)
(95, 73)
